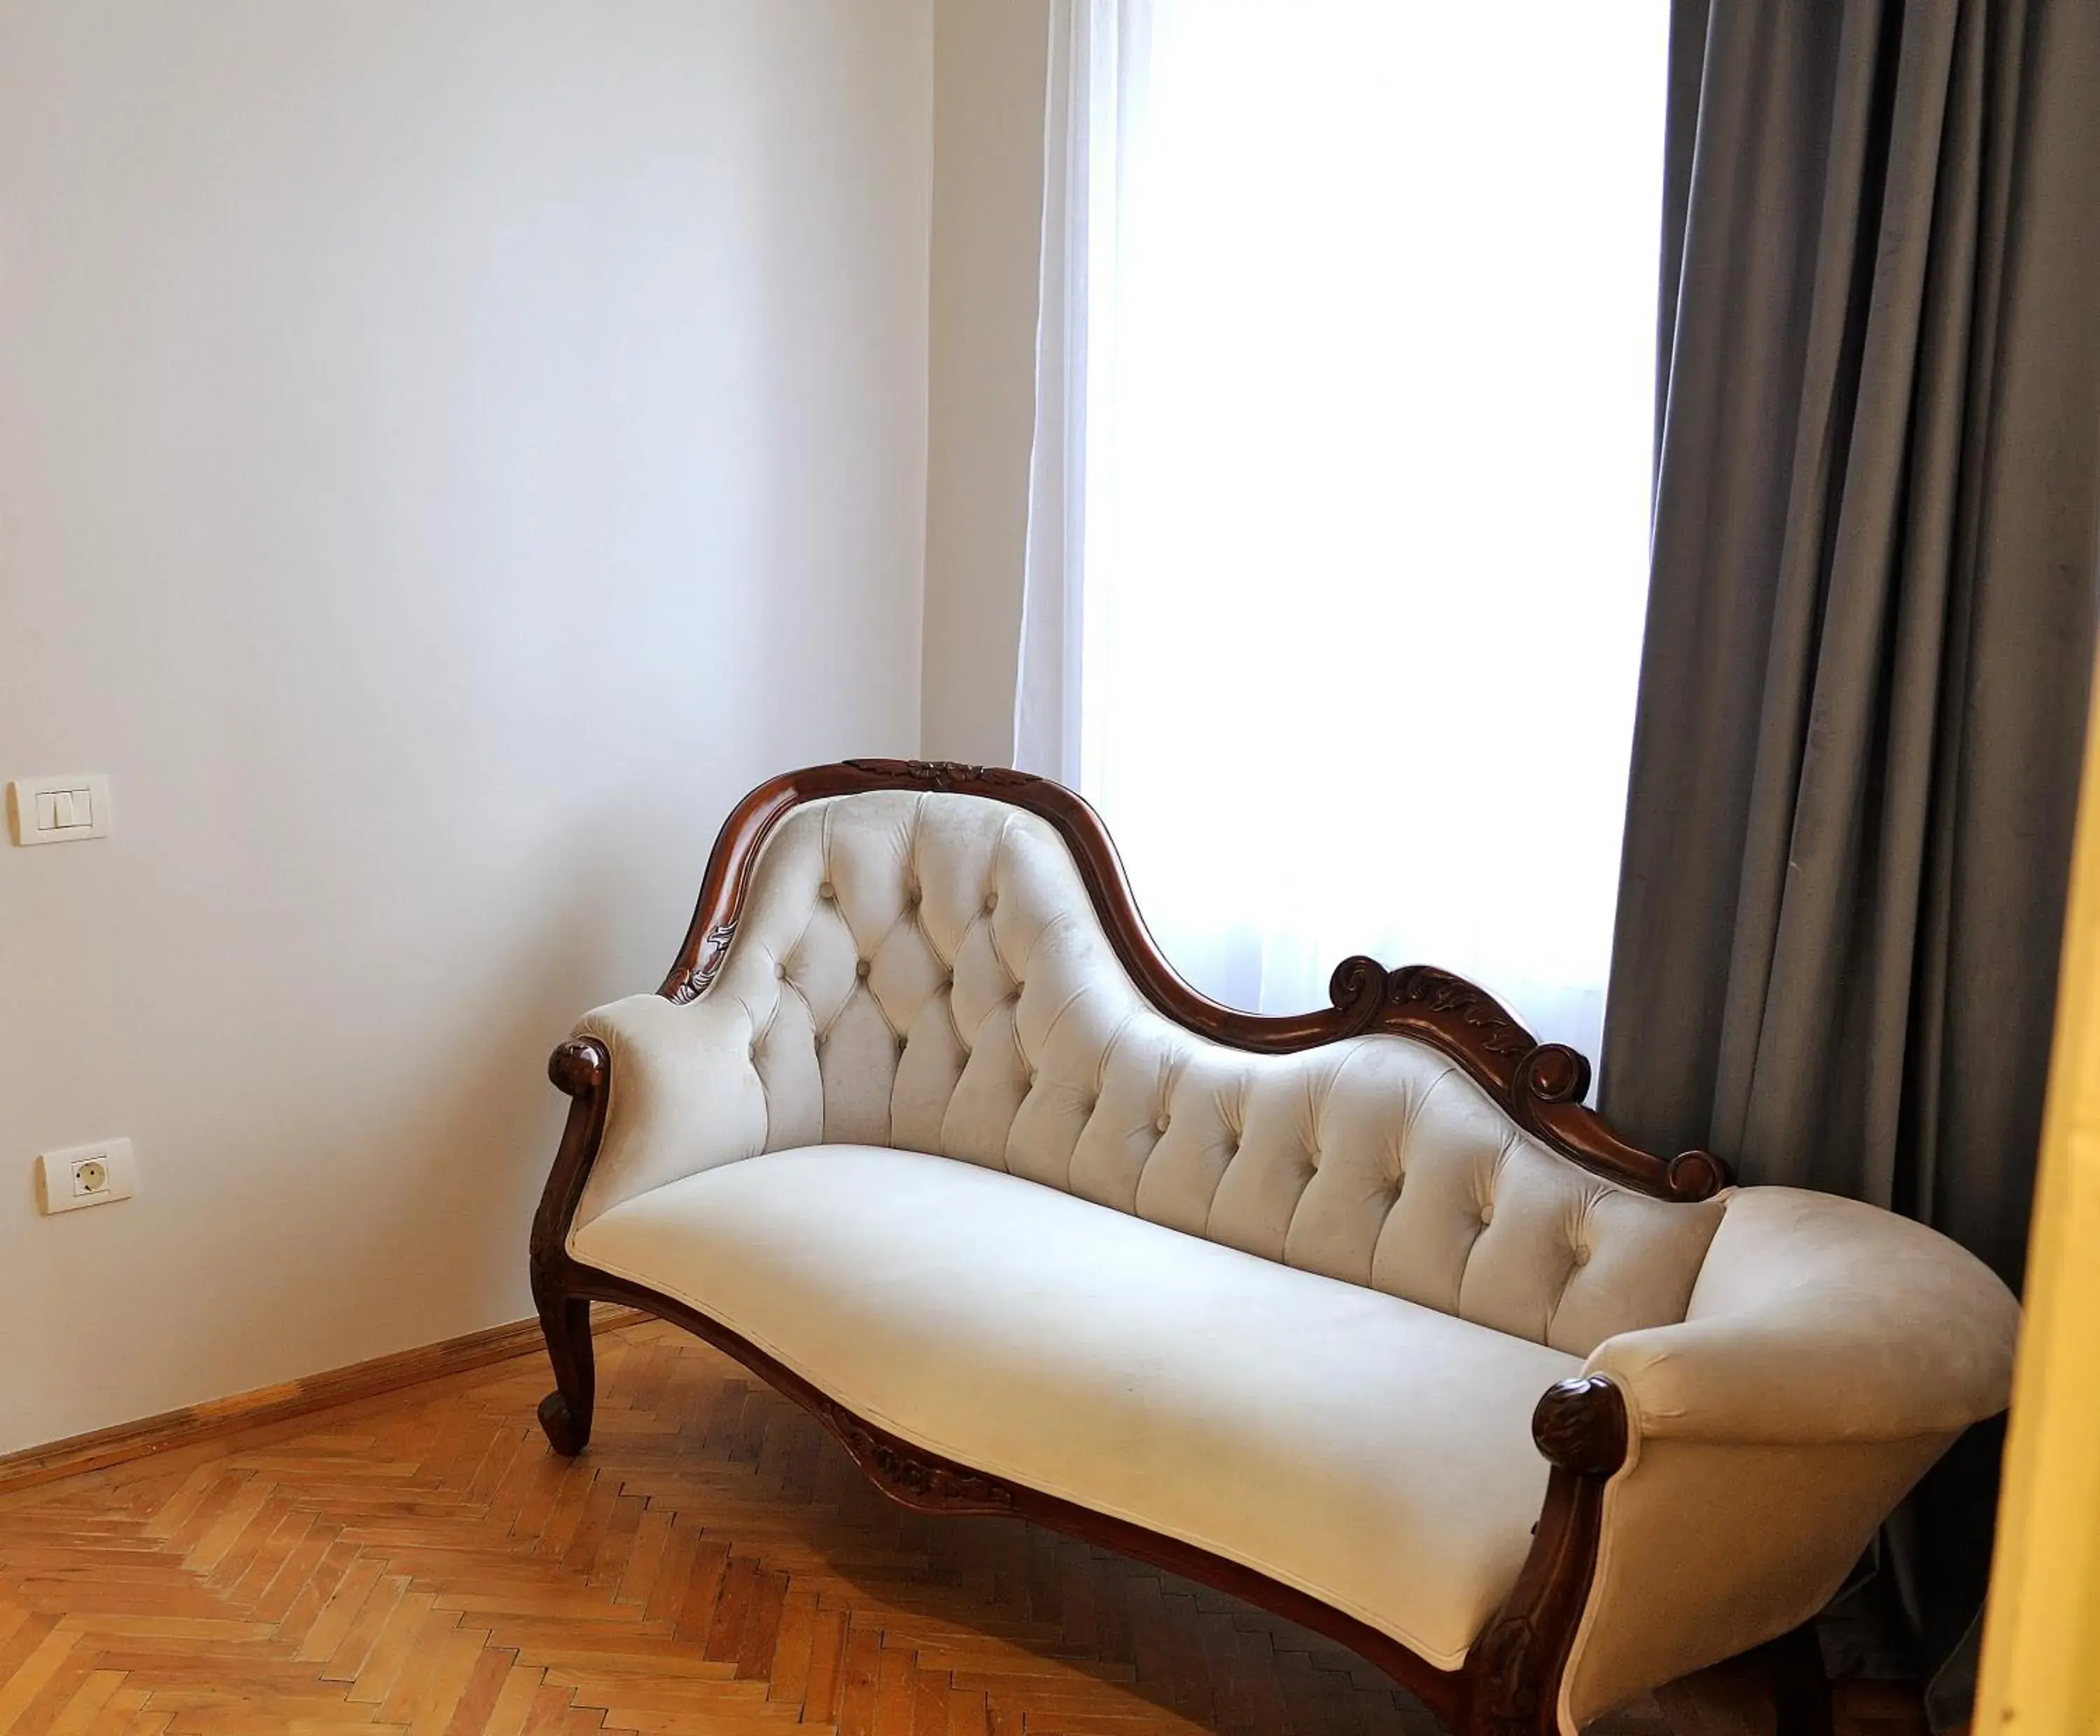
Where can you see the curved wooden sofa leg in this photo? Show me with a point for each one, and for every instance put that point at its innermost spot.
(565, 1413)
(580, 1068)
(1801, 1688)
(1581, 1427)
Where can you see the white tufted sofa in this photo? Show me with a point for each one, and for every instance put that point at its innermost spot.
(921, 1129)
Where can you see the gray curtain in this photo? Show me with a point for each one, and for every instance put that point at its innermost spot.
(1872, 614)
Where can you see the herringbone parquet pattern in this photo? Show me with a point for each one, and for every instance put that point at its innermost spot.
(713, 1565)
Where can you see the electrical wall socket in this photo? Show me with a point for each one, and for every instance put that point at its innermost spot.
(85, 1175)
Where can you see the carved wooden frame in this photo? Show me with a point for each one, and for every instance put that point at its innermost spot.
(1509, 1684)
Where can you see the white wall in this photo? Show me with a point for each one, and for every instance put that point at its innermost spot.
(988, 84)
(449, 450)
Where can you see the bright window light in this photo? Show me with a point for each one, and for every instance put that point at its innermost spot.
(1370, 395)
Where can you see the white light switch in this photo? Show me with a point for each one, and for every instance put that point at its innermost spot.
(57, 811)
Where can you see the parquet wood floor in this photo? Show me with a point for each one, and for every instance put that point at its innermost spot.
(421, 1563)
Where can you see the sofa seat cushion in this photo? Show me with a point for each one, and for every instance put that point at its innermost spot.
(1370, 1451)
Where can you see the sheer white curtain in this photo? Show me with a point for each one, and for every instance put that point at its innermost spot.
(1339, 530)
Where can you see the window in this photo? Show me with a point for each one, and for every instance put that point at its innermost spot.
(1352, 302)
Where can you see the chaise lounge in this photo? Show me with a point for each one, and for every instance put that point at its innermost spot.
(1360, 1314)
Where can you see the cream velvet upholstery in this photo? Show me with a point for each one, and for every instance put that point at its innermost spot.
(1373, 1452)
(1830, 1354)
(1816, 1318)
(926, 972)
(1308, 1330)
(1710, 1547)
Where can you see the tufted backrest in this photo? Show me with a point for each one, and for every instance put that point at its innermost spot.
(926, 971)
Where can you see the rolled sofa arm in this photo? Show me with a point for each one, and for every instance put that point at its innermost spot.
(684, 1094)
(1832, 1352)
(1817, 1319)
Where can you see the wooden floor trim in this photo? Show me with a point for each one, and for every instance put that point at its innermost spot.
(151, 1435)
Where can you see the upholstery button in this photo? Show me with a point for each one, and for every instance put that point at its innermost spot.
(780, 968)
(826, 890)
(1487, 1215)
(901, 1041)
(991, 903)
(860, 970)
(1581, 1257)
(1159, 1126)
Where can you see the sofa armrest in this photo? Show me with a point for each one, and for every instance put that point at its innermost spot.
(1817, 1320)
(684, 1095)
(1832, 1352)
